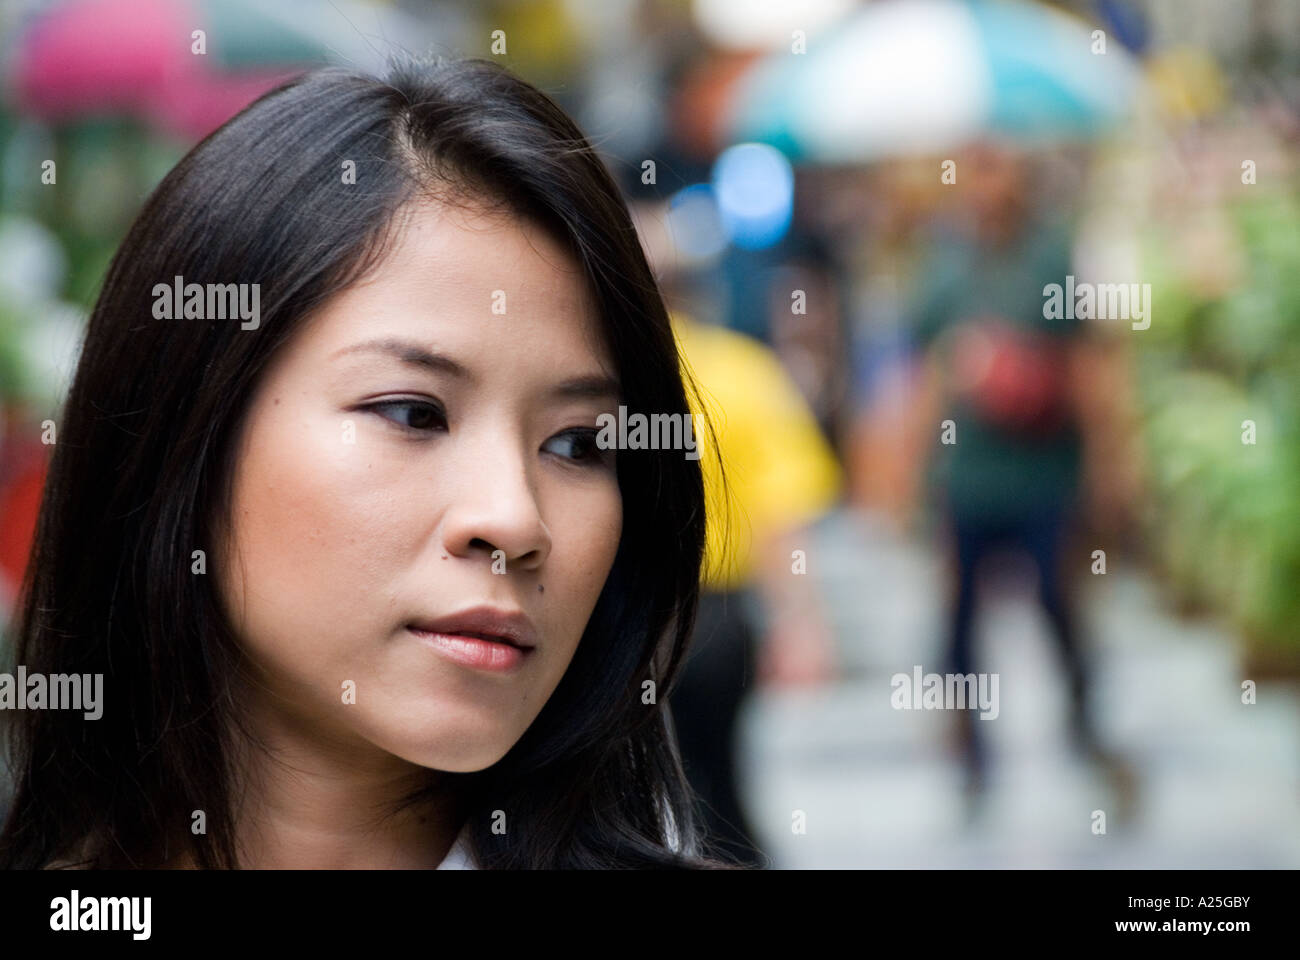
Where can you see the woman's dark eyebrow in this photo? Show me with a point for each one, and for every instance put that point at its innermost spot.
(409, 351)
(595, 386)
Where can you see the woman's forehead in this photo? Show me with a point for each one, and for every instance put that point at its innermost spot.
(477, 286)
(478, 260)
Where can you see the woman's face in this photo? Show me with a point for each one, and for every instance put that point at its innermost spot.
(408, 456)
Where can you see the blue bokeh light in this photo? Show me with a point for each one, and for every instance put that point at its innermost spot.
(695, 224)
(753, 184)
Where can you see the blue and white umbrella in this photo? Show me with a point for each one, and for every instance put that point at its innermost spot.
(916, 76)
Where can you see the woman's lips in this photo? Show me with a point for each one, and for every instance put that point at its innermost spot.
(495, 655)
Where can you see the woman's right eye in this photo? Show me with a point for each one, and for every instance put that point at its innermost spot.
(412, 414)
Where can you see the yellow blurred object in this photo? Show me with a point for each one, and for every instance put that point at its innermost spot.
(541, 43)
(780, 472)
(1187, 81)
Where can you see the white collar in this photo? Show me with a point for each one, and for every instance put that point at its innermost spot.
(458, 857)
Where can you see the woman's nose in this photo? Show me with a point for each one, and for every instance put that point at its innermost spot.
(495, 507)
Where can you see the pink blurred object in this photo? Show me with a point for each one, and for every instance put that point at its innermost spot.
(90, 57)
(198, 104)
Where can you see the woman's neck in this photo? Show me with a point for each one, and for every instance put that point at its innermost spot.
(311, 803)
(315, 814)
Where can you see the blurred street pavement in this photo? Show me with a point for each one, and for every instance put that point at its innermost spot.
(1219, 781)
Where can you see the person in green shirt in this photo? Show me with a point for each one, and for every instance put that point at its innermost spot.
(1008, 442)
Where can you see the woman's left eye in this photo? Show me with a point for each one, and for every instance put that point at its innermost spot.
(578, 445)
(413, 414)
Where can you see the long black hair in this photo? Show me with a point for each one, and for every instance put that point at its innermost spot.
(142, 472)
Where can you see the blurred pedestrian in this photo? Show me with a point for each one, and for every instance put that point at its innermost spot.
(1001, 372)
(758, 618)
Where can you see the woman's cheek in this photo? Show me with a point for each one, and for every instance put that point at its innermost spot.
(311, 521)
(595, 524)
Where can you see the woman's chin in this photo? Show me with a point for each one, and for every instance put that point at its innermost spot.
(469, 753)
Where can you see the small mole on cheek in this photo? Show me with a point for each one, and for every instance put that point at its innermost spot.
(540, 588)
(277, 401)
